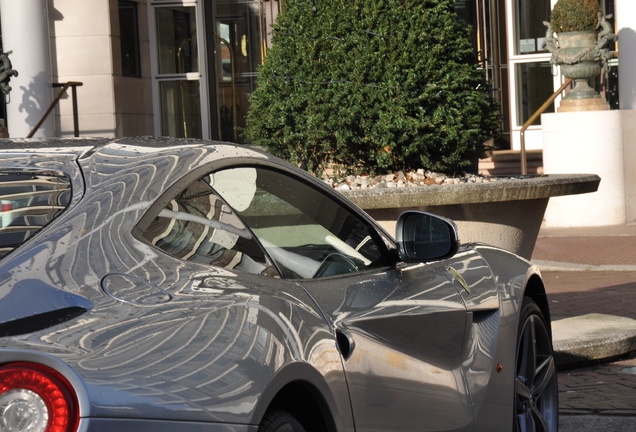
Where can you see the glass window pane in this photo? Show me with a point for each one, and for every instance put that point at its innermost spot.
(305, 232)
(530, 15)
(237, 35)
(29, 201)
(129, 38)
(176, 40)
(198, 226)
(534, 87)
(180, 109)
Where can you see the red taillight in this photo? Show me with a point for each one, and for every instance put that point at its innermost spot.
(36, 398)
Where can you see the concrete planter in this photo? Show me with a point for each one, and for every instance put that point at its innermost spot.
(506, 213)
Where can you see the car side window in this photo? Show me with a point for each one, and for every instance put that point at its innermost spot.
(29, 200)
(304, 231)
(198, 226)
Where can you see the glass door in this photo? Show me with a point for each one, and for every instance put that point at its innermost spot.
(176, 60)
(534, 78)
(236, 34)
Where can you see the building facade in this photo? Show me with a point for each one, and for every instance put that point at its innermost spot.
(186, 68)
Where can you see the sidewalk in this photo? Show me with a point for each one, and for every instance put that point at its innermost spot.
(593, 271)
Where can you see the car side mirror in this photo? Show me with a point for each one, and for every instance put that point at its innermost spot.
(425, 237)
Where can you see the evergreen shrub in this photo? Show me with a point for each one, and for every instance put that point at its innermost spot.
(372, 86)
(575, 15)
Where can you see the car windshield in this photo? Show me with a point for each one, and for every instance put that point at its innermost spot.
(29, 201)
(304, 231)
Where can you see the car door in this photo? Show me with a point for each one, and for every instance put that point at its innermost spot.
(400, 328)
(401, 332)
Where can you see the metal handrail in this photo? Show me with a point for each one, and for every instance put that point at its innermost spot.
(532, 119)
(65, 86)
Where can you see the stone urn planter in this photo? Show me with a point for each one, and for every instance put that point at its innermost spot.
(579, 60)
(581, 55)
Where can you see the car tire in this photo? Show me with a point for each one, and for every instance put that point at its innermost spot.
(536, 392)
(280, 421)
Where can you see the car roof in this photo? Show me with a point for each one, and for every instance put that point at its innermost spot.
(145, 146)
(90, 144)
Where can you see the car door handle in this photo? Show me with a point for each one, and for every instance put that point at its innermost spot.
(459, 278)
(345, 343)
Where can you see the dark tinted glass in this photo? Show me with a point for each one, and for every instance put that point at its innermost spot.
(28, 202)
(129, 39)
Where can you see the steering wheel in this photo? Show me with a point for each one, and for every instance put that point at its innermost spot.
(335, 264)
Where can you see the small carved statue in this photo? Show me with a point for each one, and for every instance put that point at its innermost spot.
(550, 43)
(6, 72)
(605, 37)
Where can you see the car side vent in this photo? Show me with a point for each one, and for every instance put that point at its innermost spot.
(345, 344)
(40, 321)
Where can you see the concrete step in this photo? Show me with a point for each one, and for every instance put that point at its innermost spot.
(508, 162)
(591, 338)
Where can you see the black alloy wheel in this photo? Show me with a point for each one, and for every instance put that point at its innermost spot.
(536, 391)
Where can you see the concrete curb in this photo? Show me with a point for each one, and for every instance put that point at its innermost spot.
(563, 266)
(591, 338)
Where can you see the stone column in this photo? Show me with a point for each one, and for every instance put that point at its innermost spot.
(626, 31)
(25, 31)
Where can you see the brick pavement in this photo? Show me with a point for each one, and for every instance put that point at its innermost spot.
(600, 389)
(587, 250)
(606, 388)
(603, 389)
(573, 293)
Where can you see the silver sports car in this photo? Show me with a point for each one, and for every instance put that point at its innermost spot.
(163, 285)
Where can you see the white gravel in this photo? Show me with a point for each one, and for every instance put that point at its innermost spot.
(401, 179)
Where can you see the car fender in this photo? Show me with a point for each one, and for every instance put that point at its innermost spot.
(328, 391)
(511, 276)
